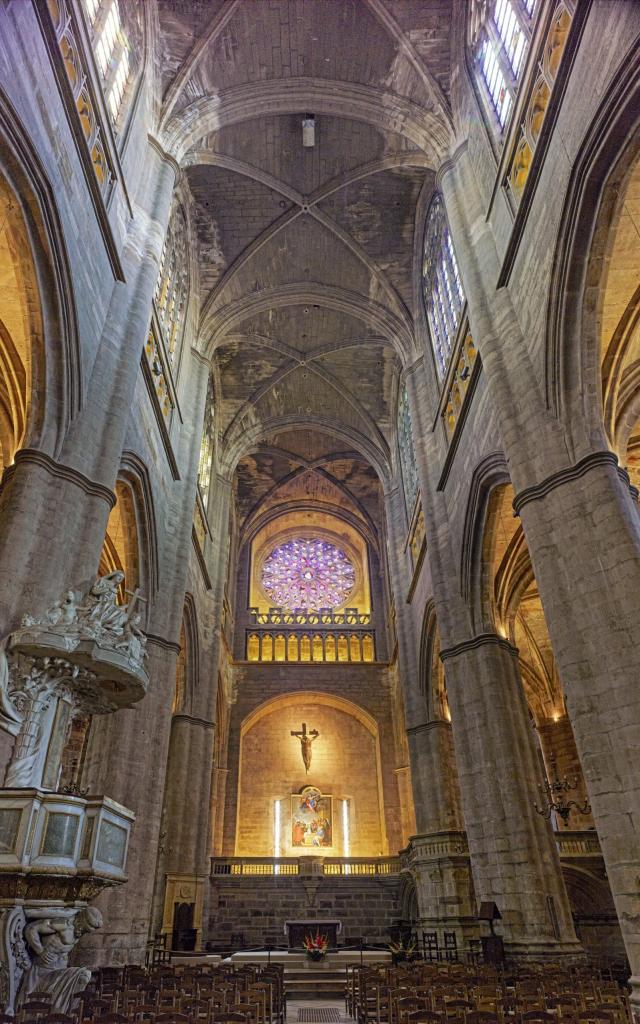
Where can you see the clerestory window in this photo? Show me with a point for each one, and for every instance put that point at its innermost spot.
(172, 287)
(408, 466)
(205, 465)
(112, 50)
(441, 285)
(501, 32)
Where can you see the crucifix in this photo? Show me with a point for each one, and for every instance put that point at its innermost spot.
(306, 739)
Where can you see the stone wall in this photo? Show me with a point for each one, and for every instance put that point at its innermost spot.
(257, 907)
(345, 763)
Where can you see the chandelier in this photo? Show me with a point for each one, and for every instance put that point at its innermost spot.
(557, 803)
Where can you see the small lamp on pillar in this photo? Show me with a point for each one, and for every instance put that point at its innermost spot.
(492, 944)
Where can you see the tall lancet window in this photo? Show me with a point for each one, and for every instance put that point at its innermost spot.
(112, 49)
(441, 285)
(408, 466)
(501, 31)
(207, 445)
(172, 288)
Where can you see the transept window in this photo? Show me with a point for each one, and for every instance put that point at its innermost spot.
(501, 38)
(172, 287)
(308, 573)
(112, 50)
(441, 284)
(407, 453)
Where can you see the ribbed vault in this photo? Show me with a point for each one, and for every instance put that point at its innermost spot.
(305, 255)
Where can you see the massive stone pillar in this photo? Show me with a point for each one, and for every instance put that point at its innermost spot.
(583, 533)
(437, 854)
(47, 498)
(190, 777)
(494, 743)
(513, 853)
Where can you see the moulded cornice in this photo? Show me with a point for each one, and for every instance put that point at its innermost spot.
(163, 643)
(482, 640)
(166, 156)
(203, 723)
(565, 476)
(32, 456)
(449, 163)
(435, 723)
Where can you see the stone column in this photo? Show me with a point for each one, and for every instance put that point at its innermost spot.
(126, 759)
(188, 791)
(514, 858)
(437, 856)
(47, 498)
(583, 533)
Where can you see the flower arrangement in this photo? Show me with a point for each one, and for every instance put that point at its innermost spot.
(316, 946)
(403, 950)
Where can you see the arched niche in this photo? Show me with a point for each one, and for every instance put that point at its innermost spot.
(21, 328)
(345, 764)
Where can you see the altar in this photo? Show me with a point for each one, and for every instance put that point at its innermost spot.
(297, 931)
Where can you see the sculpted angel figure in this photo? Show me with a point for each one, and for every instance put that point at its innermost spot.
(102, 606)
(50, 941)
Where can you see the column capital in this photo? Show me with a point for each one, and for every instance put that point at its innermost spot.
(570, 473)
(435, 723)
(34, 457)
(482, 640)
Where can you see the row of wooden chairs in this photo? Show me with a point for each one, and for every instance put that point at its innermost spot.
(454, 994)
(250, 994)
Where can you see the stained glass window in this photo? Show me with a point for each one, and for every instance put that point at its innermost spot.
(112, 49)
(407, 453)
(308, 573)
(441, 284)
(501, 38)
(205, 464)
(172, 286)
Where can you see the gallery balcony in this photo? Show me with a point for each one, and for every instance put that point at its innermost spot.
(301, 635)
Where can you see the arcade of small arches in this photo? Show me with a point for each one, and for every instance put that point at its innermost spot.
(354, 426)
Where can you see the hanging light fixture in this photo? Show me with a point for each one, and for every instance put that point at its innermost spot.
(308, 131)
(556, 801)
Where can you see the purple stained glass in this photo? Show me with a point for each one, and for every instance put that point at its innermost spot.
(308, 574)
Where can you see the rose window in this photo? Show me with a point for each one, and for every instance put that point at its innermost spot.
(308, 574)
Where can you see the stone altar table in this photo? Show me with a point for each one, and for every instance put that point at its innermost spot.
(296, 931)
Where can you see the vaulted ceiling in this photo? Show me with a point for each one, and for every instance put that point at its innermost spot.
(306, 256)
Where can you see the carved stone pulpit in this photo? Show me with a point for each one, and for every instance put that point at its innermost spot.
(85, 655)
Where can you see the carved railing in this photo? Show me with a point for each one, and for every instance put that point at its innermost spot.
(301, 634)
(346, 866)
(306, 617)
(547, 64)
(362, 866)
(464, 364)
(160, 376)
(578, 844)
(254, 866)
(354, 645)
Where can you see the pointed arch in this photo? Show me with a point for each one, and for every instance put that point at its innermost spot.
(490, 473)
(51, 393)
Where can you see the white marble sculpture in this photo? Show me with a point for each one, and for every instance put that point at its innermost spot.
(49, 938)
(87, 651)
(95, 615)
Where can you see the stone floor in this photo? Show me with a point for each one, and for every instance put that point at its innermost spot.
(316, 1011)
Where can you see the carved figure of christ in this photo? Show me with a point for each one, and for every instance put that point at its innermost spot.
(306, 739)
